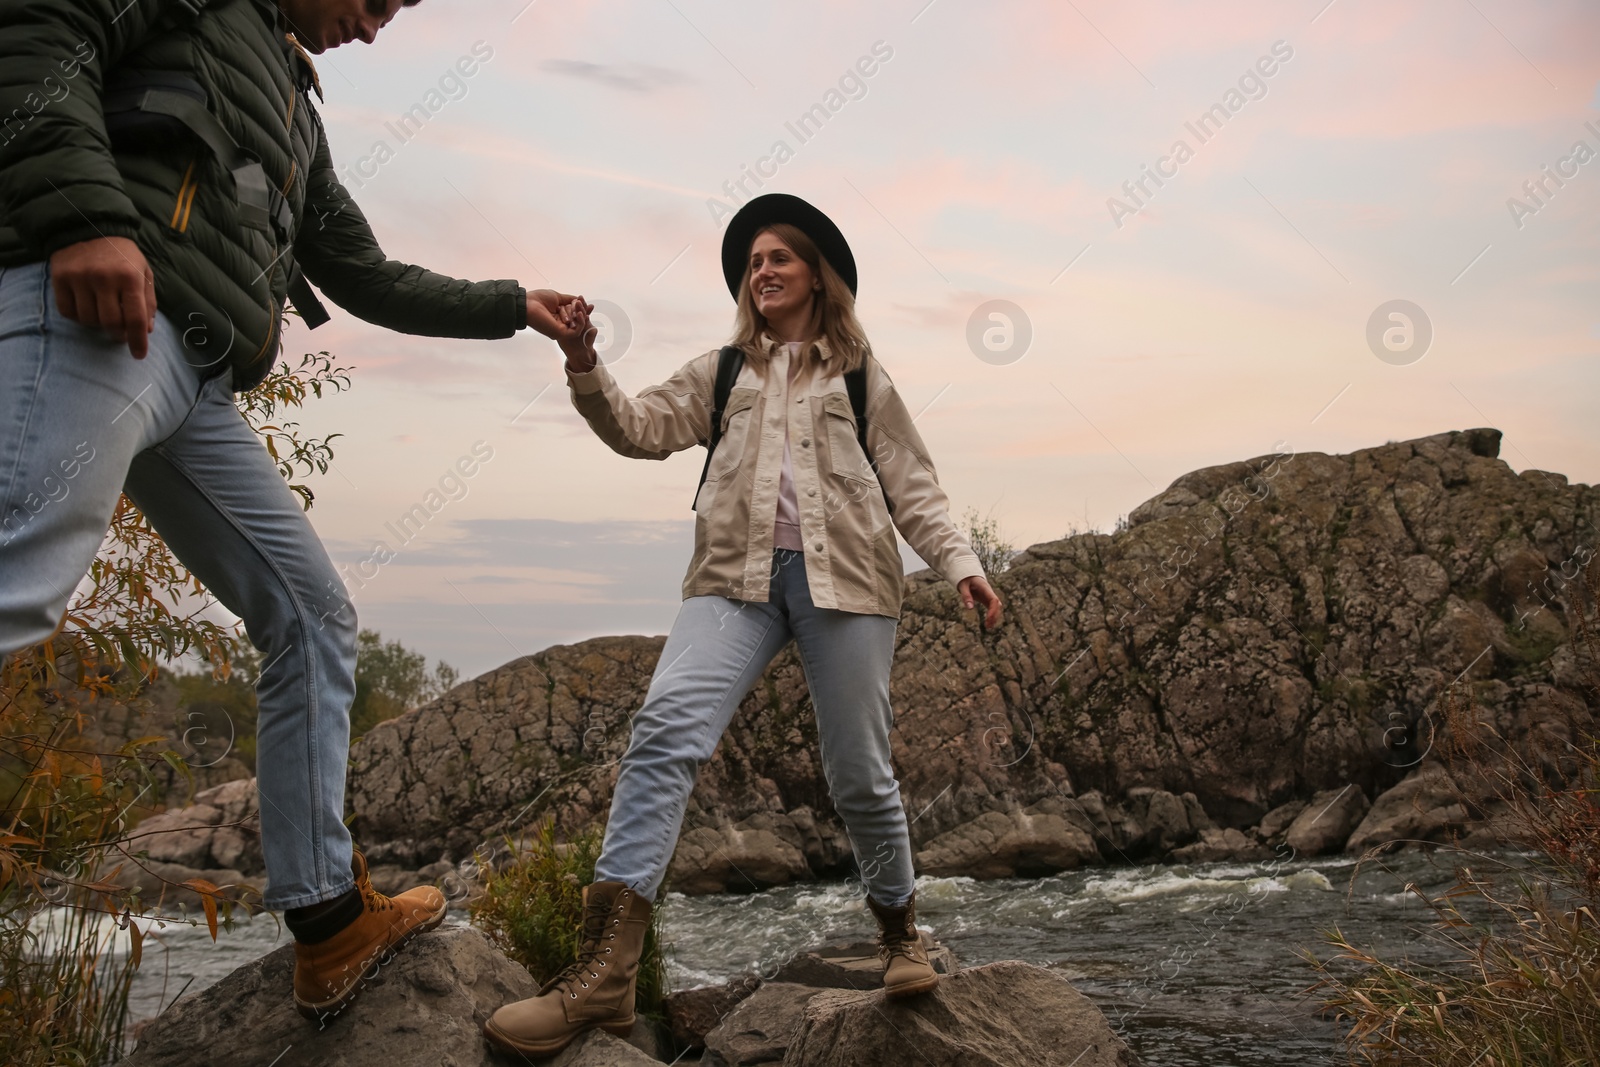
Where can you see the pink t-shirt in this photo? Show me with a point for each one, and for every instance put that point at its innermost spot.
(786, 526)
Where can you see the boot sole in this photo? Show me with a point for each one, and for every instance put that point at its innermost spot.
(911, 990)
(335, 1005)
(507, 1043)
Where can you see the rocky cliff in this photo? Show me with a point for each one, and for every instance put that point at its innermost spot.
(1262, 648)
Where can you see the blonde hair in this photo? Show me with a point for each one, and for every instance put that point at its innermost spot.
(833, 313)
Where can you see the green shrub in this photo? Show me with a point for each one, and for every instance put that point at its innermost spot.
(993, 550)
(532, 910)
(391, 679)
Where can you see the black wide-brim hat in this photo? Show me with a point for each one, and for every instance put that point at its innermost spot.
(768, 208)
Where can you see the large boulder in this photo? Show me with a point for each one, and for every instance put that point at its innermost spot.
(1259, 632)
(853, 966)
(1426, 807)
(1275, 823)
(221, 830)
(162, 889)
(594, 1049)
(1218, 846)
(710, 859)
(426, 1006)
(999, 1015)
(1328, 821)
(181, 836)
(694, 1013)
(1168, 821)
(1002, 844)
(760, 1028)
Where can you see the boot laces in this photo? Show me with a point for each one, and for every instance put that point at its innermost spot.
(898, 940)
(371, 899)
(596, 919)
(897, 934)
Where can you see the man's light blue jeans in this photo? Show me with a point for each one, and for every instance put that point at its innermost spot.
(80, 421)
(716, 651)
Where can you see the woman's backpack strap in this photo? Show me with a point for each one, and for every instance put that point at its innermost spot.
(730, 361)
(855, 383)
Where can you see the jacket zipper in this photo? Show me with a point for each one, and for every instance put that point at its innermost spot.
(185, 201)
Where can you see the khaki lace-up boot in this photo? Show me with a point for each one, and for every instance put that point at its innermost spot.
(596, 990)
(907, 971)
(328, 974)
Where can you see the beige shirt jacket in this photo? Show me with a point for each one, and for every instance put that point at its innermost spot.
(851, 556)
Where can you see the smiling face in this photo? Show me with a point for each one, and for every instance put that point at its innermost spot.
(323, 24)
(781, 283)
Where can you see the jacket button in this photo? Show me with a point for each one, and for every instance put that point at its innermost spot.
(811, 492)
(805, 442)
(817, 546)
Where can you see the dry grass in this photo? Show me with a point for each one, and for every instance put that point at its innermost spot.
(72, 927)
(1522, 982)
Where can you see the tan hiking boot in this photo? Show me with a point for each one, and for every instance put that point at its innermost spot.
(907, 971)
(597, 990)
(329, 974)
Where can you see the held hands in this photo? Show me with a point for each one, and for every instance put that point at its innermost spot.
(105, 283)
(545, 311)
(577, 335)
(976, 592)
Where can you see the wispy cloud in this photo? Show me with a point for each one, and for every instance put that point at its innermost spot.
(629, 77)
(604, 561)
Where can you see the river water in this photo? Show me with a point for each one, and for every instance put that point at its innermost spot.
(1193, 965)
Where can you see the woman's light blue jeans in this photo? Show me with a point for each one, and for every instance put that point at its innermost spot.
(80, 421)
(716, 651)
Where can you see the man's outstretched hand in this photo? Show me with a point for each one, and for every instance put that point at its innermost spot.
(105, 283)
(545, 312)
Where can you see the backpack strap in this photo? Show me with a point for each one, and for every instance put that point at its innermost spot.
(730, 361)
(261, 205)
(130, 100)
(180, 98)
(855, 382)
(313, 312)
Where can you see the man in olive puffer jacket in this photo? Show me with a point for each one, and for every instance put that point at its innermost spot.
(165, 185)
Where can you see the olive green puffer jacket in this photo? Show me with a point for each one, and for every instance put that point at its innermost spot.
(221, 280)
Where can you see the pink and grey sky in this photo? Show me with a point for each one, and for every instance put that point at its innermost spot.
(1355, 154)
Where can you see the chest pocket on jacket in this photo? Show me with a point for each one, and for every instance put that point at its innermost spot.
(736, 429)
(845, 457)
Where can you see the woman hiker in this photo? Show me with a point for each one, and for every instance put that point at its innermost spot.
(793, 539)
